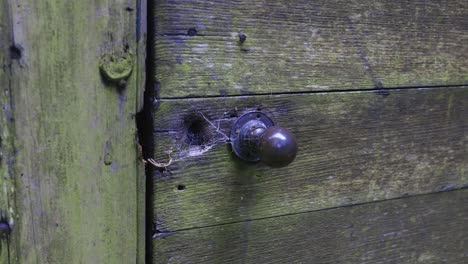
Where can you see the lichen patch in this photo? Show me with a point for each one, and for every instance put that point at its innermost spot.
(116, 67)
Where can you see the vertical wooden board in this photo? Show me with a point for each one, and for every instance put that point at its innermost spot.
(427, 229)
(76, 165)
(7, 208)
(304, 45)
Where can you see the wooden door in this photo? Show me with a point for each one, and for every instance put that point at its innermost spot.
(374, 92)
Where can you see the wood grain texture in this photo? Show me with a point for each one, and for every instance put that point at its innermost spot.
(76, 164)
(354, 147)
(8, 212)
(303, 45)
(424, 229)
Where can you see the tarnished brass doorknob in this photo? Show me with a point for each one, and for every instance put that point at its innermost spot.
(254, 137)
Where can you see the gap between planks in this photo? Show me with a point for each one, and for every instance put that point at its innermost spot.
(376, 90)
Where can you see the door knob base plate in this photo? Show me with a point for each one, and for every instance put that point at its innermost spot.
(241, 134)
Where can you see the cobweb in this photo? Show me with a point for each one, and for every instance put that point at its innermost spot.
(198, 137)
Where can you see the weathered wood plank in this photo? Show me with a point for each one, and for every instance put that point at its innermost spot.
(354, 147)
(306, 45)
(424, 229)
(7, 152)
(141, 38)
(75, 131)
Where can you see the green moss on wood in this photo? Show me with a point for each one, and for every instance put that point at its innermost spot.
(75, 207)
(300, 45)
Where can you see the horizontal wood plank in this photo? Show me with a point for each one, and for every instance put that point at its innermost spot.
(354, 147)
(303, 45)
(424, 229)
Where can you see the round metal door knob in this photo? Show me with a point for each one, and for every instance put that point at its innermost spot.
(254, 137)
(278, 147)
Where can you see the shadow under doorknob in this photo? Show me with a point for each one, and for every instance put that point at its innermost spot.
(254, 137)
